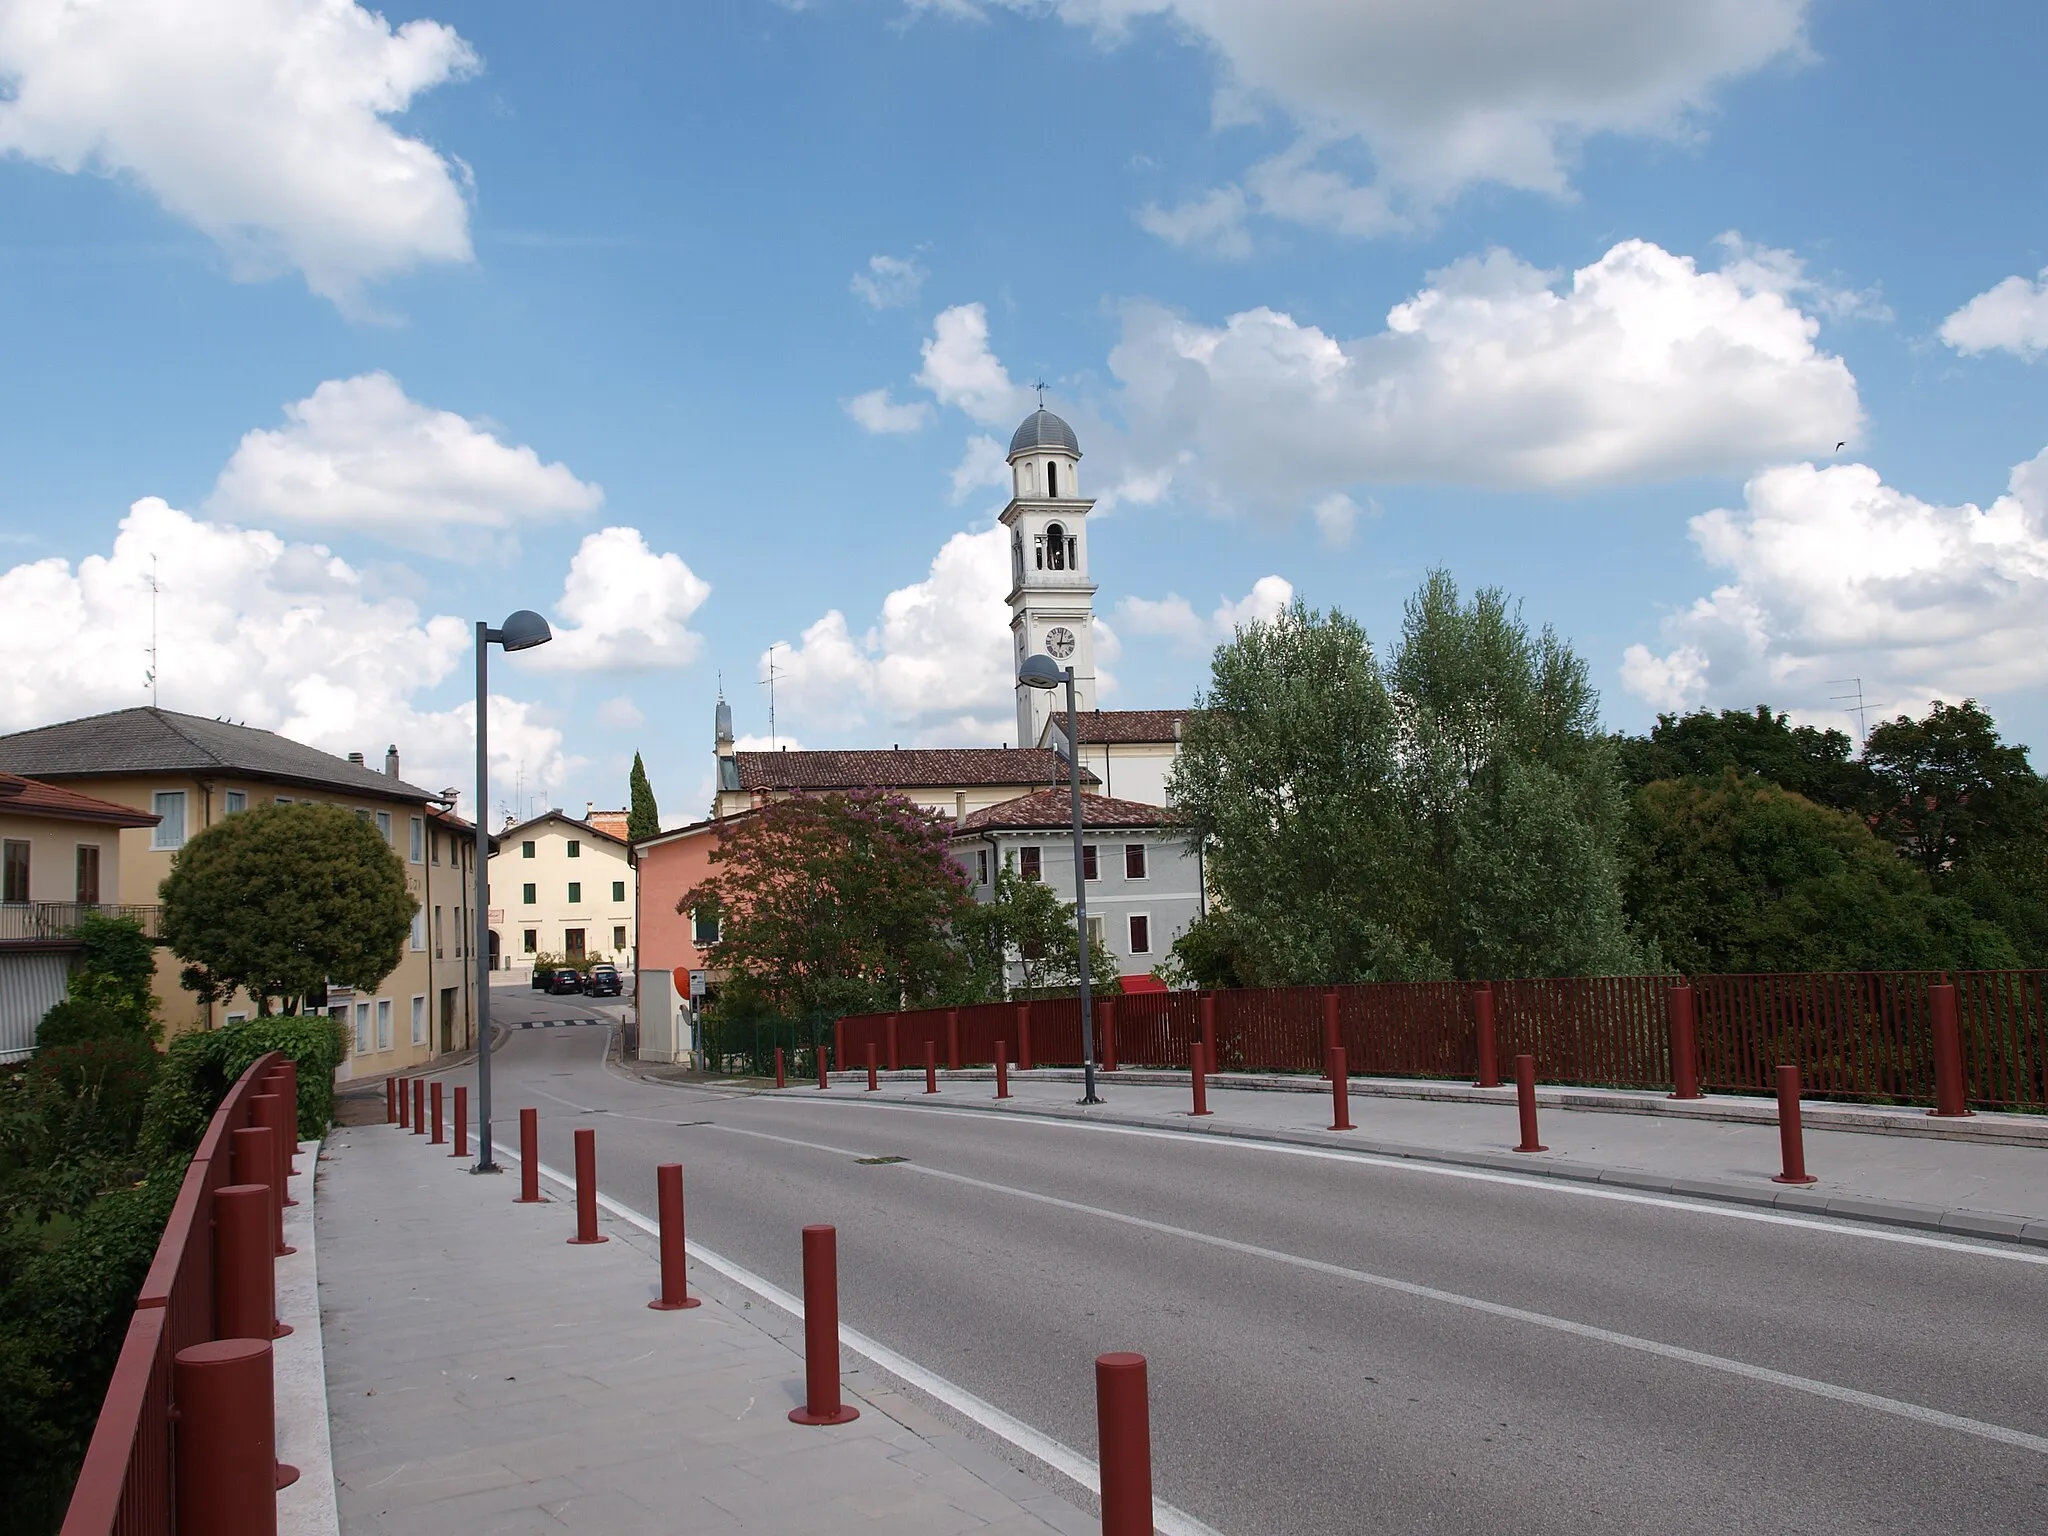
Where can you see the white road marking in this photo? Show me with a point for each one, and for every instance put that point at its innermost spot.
(1896, 1407)
(1067, 1462)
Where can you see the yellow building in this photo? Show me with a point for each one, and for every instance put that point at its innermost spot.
(564, 888)
(188, 773)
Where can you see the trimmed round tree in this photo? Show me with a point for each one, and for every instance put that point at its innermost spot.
(283, 900)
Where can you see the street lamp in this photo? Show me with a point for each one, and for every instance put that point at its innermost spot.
(1042, 671)
(521, 632)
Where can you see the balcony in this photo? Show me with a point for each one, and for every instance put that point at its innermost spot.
(53, 922)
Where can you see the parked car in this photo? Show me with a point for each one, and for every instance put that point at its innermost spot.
(604, 981)
(542, 975)
(564, 980)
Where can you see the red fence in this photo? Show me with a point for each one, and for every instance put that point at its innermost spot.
(1864, 1035)
(125, 1483)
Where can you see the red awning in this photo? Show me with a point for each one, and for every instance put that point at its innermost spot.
(1143, 983)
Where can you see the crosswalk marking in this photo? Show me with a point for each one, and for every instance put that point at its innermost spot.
(557, 1023)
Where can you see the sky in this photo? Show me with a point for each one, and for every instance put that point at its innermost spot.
(1714, 331)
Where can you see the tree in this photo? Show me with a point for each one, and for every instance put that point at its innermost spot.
(282, 900)
(1738, 874)
(1026, 924)
(834, 904)
(1804, 759)
(108, 996)
(644, 818)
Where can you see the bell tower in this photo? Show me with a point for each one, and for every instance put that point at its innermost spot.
(1052, 600)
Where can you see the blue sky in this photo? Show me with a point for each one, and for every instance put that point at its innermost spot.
(412, 317)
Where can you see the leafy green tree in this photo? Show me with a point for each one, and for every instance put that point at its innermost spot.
(1804, 759)
(643, 819)
(108, 996)
(282, 900)
(1025, 923)
(1210, 953)
(1738, 874)
(834, 904)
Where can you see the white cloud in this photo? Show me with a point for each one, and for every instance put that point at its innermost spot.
(2011, 317)
(983, 462)
(1835, 574)
(1173, 617)
(261, 122)
(1214, 222)
(889, 282)
(624, 607)
(876, 412)
(620, 713)
(357, 454)
(1336, 518)
(1641, 366)
(960, 370)
(284, 636)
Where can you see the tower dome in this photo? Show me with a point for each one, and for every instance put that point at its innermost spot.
(1042, 429)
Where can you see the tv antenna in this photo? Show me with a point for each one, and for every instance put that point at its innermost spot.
(1856, 708)
(768, 682)
(150, 676)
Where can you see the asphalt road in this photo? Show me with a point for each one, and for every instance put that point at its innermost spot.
(1337, 1345)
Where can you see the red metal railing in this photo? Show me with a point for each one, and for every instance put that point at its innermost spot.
(125, 1485)
(1862, 1035)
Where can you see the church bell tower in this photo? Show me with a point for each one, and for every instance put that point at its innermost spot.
(1052, 601)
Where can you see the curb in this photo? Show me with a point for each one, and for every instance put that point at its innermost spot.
(2028, 1231)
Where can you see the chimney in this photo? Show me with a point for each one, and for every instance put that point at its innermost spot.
(391, 761)
(588, 807)
(959, 806)
(356, 758)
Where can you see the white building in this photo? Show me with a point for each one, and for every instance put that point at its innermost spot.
(562, 887)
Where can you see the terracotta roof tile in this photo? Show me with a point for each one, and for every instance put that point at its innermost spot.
(1053, 810)
(917, 768)
(31, 797)
(1121, 726)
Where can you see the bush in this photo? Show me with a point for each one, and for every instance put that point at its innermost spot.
(199, 1069)
(93, 1094)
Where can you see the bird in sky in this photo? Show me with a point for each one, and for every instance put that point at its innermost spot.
(1841, 445)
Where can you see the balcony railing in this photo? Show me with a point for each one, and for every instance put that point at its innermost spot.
(42, 922)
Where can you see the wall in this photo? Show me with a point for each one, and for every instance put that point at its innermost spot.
(665, 871)
(598, 865)
(53, 854)
(1130, 770)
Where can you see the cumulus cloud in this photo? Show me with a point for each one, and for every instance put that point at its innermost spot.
(889, 282)
(264, 123)
(284, 636)
(1833, 573)
(983, 462)
(620, 713)
(1214, 222)
(2010, 317)
(358, 455)
(876, 412)
(1173, 617)
(624, 608)
(961, 370)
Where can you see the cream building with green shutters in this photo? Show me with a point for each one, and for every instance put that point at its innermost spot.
(564, 888)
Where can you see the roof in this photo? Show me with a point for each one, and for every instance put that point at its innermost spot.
(145, 740)
(29, 797)
(1053, 810)
(918, 768)
(1122, 726)
(1042, 429)
(507, 834)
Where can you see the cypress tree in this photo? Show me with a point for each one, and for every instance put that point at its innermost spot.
(643, 819)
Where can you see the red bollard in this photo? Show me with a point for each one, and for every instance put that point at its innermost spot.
(1525, 1101)
(1198, 1075)
(778, 1067)
(1331, 1039)
(931, 1066)
(675, 1274)
(1791, 1139)
(286, 1075)
(227, 1471)
(1023, 1037)
(1685, 1055)
(952, 1040)
(244, 1269)
(822, 1403)
(1206, 1009)
(1123, 1444)
(1105, 1015)
(586, 1189)
(404, 1105)
(255, 1162)
(1489, 1048)
(391, 1101)
(873, 1084)
(1951, 1100)
(1002, 1069)
(461, 1121)
(419, 1106)
(529, 1157)
(438, 1139)
(1340, 1090)
(267, 1110)
(824, 1082)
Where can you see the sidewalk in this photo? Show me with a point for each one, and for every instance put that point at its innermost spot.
(1972, 1188)
(484, 1376)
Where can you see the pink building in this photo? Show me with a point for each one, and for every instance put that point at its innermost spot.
(665, 866)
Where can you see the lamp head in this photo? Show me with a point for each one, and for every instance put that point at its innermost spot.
(1041, 671)
(524, 630)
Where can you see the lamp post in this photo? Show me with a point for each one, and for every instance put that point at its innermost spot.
(521, 632)
(1042, 671)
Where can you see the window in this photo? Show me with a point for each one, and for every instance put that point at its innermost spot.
(1052, 479)
(440, 932)
(1055, 547)
(238, 1018)
(419, 841)
(1141, 934)
(575, 849)
(13, 871)
(981, 866)
(1027, 864)
(282, 800)
(1088, 862)
(434, 845)
(236, 800)
(529, 894)
(458, 933)
(703, 928)
(531, 942)
(419, 928)
(362, 813)
(526, 850)
(572, 943)
(384, 827)
(383, 1023)
(89, 874)
(618, 890)
(1094, 932)
(575, 892)
(419, 1020)
(619, 938)
(1134, 861)
(169, 804)
(362, 1029)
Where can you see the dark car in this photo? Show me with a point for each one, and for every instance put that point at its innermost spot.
(542, 975)
(604, 981)
(564, 980)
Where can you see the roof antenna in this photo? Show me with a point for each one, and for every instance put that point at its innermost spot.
(150, 676)
(1857, 709)
(768, 682)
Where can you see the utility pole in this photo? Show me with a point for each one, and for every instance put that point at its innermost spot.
(1856, 709)
(150, 675)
